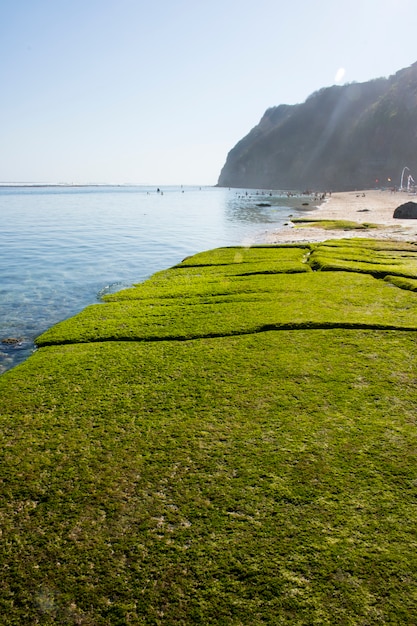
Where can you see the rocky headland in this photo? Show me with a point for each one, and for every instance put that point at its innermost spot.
(342, 138)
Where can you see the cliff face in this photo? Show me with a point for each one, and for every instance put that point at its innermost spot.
(341, 138)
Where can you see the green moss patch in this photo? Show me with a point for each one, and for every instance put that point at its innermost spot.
(299, 300)
(371, 244)
(220, 271)
(379, 261)
(333, 224)
(216, 447)
(403, 283)
(252, 480)
(252, 254)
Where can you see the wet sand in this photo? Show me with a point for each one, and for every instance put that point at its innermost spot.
(376, 207)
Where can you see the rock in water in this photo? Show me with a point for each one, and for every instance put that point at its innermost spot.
(406, 211)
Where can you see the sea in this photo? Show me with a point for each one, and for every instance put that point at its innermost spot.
(62, 247)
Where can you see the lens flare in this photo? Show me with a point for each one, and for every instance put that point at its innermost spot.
(340, 75)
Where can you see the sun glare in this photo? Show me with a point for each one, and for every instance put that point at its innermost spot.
(340, 75)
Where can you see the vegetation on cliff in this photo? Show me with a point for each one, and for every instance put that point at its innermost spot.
(232, 441)
(355, 136)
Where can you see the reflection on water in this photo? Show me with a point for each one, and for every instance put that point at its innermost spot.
(262, 207)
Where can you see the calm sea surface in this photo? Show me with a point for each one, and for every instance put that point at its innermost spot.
(61, 248)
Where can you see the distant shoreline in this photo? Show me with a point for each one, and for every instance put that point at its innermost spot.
(66, 185)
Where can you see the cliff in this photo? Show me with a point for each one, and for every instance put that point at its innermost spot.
(346, 137)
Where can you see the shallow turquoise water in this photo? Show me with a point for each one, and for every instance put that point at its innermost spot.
(62, 247)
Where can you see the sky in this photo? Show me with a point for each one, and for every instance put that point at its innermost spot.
(158, 91)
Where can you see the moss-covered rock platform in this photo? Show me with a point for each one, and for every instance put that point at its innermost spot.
(233, 441)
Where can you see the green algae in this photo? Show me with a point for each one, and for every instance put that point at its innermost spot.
(402, 283)
(259, 478)
(333, 224)
(379, 261)
(195, 299)
(236, 255)
(299, 300)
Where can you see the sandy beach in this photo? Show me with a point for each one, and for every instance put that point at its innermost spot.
(374, 206)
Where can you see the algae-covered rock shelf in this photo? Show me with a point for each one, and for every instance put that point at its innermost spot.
(232, 441)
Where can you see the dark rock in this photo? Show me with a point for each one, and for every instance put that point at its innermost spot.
(407, 211)
(263, 204)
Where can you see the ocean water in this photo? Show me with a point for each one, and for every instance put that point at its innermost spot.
(63, 247)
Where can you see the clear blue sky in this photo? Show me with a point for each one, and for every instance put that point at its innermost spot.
(158, 91)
